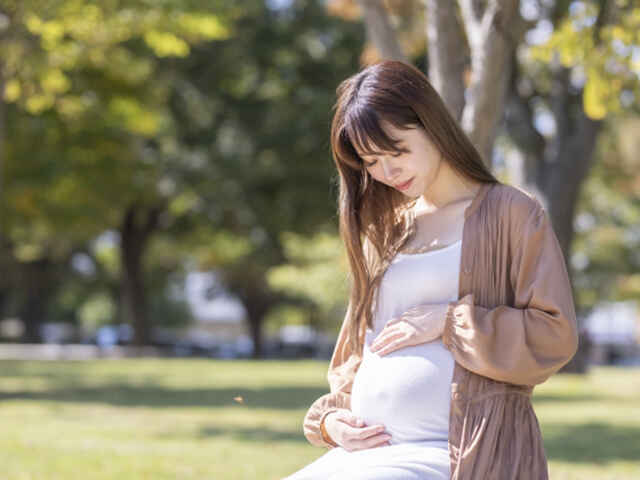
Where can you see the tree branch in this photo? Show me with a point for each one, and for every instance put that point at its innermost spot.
(380, 31)
(447, 57)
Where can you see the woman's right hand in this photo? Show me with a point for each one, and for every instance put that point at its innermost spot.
(349, 432)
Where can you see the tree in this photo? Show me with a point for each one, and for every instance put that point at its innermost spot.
(263, 126)
(94, 80)
(580, 74)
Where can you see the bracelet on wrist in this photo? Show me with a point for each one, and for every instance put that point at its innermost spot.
(325, 434)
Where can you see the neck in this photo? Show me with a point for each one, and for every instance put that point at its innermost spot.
(448, 188)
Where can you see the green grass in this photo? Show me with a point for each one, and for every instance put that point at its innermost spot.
(177, 419)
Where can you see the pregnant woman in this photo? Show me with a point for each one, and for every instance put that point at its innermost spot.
(460, 300)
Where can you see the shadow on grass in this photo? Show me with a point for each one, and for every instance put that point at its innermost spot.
(76, 383)
(122, 394)
(592, 442)
(258, 435)
(567, 398)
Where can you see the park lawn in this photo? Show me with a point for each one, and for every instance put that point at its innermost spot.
(221, 419)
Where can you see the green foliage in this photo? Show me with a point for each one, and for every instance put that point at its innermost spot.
(607, 238)
(69, 36)
(315, 270)
(97, 310)
(166, 311)
(85, 84)
(218, 110)
(610, 67)
(79, 67)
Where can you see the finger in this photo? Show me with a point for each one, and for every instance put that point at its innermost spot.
(394, 320)
(345, 416)
(401, 342)
(384, 349)
(374, 441)
(382, 335)
(383, 342)
(377, 440)
(353, 420)
(392, 347)
(397, 338)
(362, 433)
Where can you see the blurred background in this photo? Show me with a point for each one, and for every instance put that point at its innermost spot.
(168, 202)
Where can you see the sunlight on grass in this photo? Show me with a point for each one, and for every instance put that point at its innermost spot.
(591, 424)
(168, 419)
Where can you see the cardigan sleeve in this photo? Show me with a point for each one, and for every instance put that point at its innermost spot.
(342, 369)
(529, 341)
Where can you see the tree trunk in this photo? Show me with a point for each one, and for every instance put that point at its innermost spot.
(2, 148)
(555, 172)
(380, 31)
(257, 303)
(255, 327)
(37, 284)
(137, 226)
(251, 286)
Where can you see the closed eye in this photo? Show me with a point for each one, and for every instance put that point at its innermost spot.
(371, 164)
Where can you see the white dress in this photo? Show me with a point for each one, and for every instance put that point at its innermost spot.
(407, 390)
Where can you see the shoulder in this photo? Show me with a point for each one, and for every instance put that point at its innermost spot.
(515, 204)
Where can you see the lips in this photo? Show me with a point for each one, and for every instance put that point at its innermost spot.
(405, 185)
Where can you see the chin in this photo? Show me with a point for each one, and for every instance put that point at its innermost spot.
(414, 193)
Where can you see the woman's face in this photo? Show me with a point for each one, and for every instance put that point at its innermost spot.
(420, 165)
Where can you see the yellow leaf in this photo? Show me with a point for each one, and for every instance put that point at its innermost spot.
(166, 44)
(595, 95)
(38, 103)
(33, 23)
(134, 116)
(25, 252)
(207, 26)
(54, 81)
(12, 90)
(51, 33)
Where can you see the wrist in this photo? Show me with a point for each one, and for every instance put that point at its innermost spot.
(323, 430)
(444, 313)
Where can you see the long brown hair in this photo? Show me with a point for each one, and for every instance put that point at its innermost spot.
(377, 220)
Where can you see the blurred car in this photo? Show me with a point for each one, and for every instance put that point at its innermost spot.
(297, 341)
(113, 334)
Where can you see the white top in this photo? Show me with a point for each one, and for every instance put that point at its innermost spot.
(408, 390)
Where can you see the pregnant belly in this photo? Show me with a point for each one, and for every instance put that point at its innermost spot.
(408, 391)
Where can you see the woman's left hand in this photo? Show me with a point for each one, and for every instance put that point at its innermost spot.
(419, 324)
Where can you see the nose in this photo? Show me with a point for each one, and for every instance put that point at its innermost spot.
(392, 174)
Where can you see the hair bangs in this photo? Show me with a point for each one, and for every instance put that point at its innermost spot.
(367, 136)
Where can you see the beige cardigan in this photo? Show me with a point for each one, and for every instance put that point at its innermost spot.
(513, 326)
